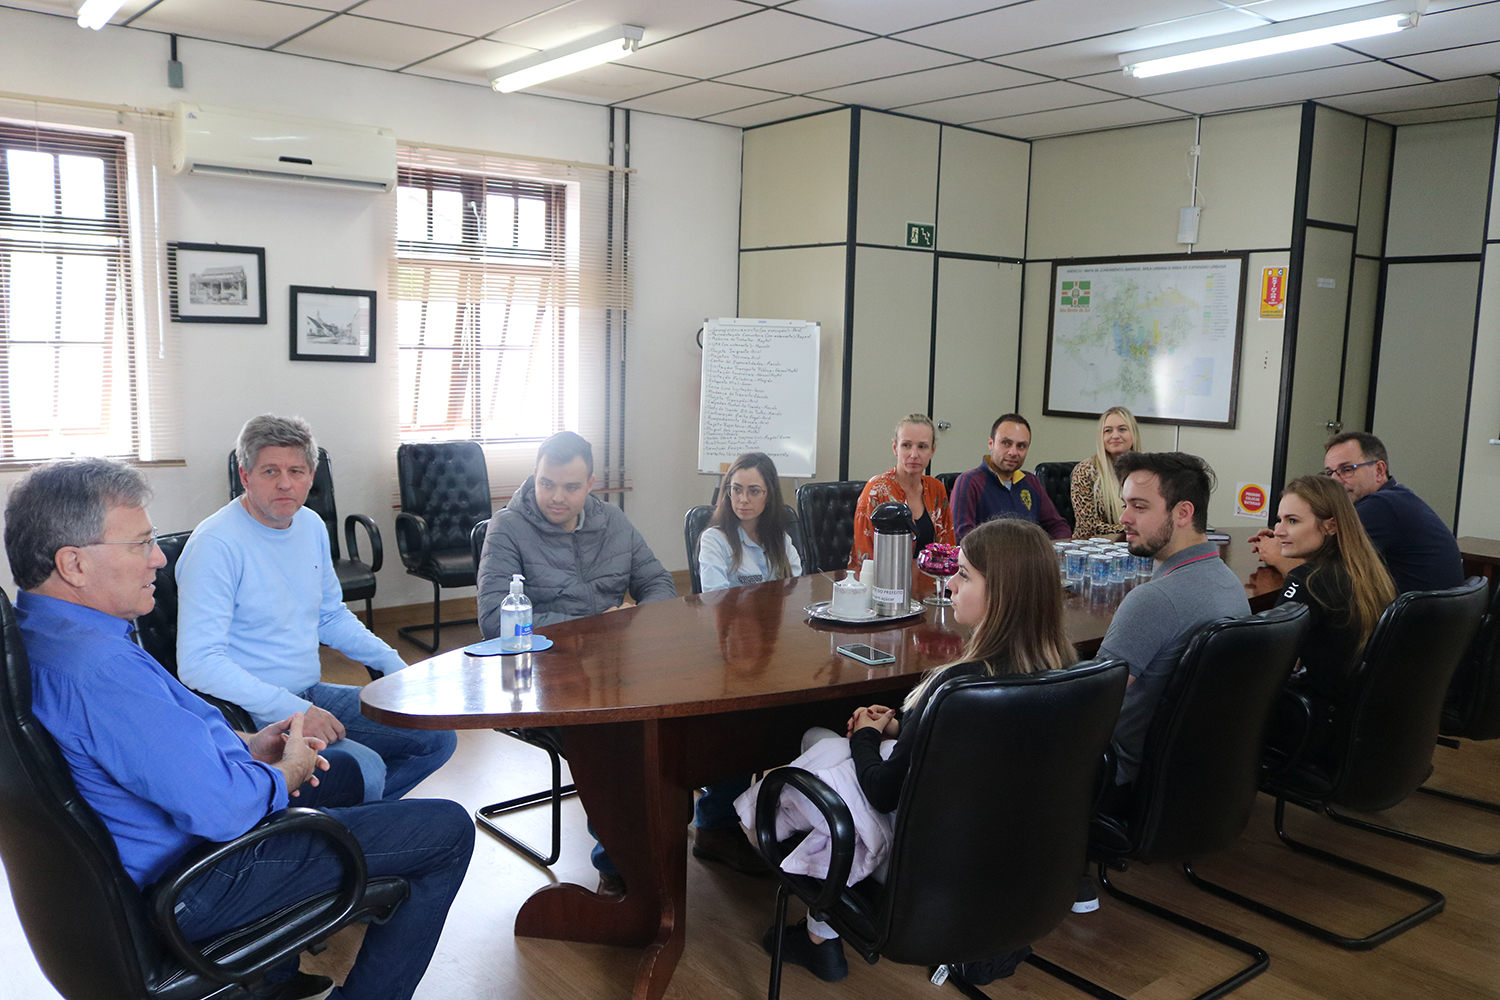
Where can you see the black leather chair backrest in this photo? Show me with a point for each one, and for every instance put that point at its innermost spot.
(83, 916)
(1473, 709)
(319, 497)
(448, 484)
(1385, 743)
(993, 820)
(158, 628)
(948, 479)
(827, 514)
(1200, 766)
(1057, 480)
(476, 541)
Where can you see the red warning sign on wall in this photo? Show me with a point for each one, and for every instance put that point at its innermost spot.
(1250, 500)
(1273, 293)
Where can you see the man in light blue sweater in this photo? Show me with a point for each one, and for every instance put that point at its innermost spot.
(257, 593)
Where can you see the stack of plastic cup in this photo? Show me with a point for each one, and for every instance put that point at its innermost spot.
(1100, 569)
(1144, 567)
(1122, 564)
(1076, 565)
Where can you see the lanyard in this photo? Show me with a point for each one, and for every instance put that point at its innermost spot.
(1189, 562)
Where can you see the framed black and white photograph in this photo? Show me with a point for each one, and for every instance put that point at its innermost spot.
(216, 283)
(332, 324)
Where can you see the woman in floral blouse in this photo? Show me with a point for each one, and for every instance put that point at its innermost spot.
(914, 444)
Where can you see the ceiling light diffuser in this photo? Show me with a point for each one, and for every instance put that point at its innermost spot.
(96, 13)
(1347, 25)
(585, 53)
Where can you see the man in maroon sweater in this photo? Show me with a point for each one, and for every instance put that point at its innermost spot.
(998, 487)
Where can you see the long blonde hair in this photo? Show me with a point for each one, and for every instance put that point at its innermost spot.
(1348, 549)
(1022, 628)
(1106, 483)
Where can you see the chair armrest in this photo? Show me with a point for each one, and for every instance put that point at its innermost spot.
(285, 942)
(411, 539)
(377, 551)
(1109, 766)
(835, 813)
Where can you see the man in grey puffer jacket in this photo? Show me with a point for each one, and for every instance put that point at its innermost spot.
(579, 555)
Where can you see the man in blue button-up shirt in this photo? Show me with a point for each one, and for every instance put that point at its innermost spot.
(160, 766)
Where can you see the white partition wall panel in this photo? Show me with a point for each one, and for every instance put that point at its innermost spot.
(1438, 188)
(1320, 348)
(974, 378)
(1360, 346)
(796, 182)
(982, 189)
(898, 171)
(1247, 179)
(1479, 514)
(892, 351)
(1333, 193)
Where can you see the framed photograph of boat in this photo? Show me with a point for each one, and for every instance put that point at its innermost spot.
(215, 283)
(332, 324)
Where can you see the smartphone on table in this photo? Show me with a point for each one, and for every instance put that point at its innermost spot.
(866, 654)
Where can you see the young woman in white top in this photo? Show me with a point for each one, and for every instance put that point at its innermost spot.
(746, 540)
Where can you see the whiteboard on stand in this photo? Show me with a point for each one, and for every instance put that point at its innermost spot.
(760, 393)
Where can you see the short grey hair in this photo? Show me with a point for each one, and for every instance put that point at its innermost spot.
(271, 431)
(64, 503)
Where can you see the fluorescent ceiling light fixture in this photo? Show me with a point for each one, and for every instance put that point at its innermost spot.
(96, 13)
(1346, 25)
(585, 53)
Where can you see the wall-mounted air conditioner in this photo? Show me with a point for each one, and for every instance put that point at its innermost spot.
(226, 141)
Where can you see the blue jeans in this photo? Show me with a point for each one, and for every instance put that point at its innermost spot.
(428, 841)
(343, 784)
(713, 811)
(392, 760)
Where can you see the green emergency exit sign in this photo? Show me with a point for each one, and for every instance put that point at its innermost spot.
(919, 234)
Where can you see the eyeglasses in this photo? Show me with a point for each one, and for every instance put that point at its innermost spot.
(753, 492)
(145, 546)
(1346, 470)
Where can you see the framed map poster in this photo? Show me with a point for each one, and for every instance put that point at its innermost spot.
(1159, 336)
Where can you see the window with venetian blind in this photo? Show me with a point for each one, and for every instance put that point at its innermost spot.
(509, 284)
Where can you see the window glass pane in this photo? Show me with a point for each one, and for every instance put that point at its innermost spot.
(411, 213)
(447, 217)
(532, 232)
(500, 218)
(80, 368)
(33, 296)
(82, 186)
(84, 281)
(31, 189)
(30, 387)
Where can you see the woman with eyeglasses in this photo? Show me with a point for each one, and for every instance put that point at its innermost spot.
(746, 541)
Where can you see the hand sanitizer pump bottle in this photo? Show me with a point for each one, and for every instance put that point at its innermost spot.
(515, 618)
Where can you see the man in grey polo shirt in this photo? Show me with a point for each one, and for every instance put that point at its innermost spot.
(1166, 517)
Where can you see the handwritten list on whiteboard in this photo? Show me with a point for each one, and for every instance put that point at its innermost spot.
(760, 393)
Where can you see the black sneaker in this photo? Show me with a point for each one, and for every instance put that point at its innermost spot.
(1088, 897)
(826, 960)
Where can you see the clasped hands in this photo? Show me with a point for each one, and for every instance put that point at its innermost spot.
(285, 747)
(874, 717)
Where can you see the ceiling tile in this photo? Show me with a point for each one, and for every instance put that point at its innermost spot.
(699, 100)
(763, 37)
(1285, 89)
(929, 85)
(1442, 30)
(464, 17)
(771, 111)
(609, 84)
(1002, 103)
(1291, 62)
(371, 43)
(244, 22)
(661, 18)
(467, 63)
(1483, 109)
(1028, 25)
(1084, 119)
(1422, 95)
(837, 67)
(887, 17)
(1453, 64)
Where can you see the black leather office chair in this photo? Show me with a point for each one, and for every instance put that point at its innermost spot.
(1376, 749)
(544, 738)
(948, 479)
(1057, 480)
(356, 577)
(157, 630)
(1200, 766)
(827, 514)
(1471, 712)
(445, 491)
(697, 520)
(94, 934)
(990, 831)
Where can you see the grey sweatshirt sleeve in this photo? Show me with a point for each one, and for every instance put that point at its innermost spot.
(499, 560)
(649, 579)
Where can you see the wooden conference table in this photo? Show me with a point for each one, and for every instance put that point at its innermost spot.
(661, 699)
